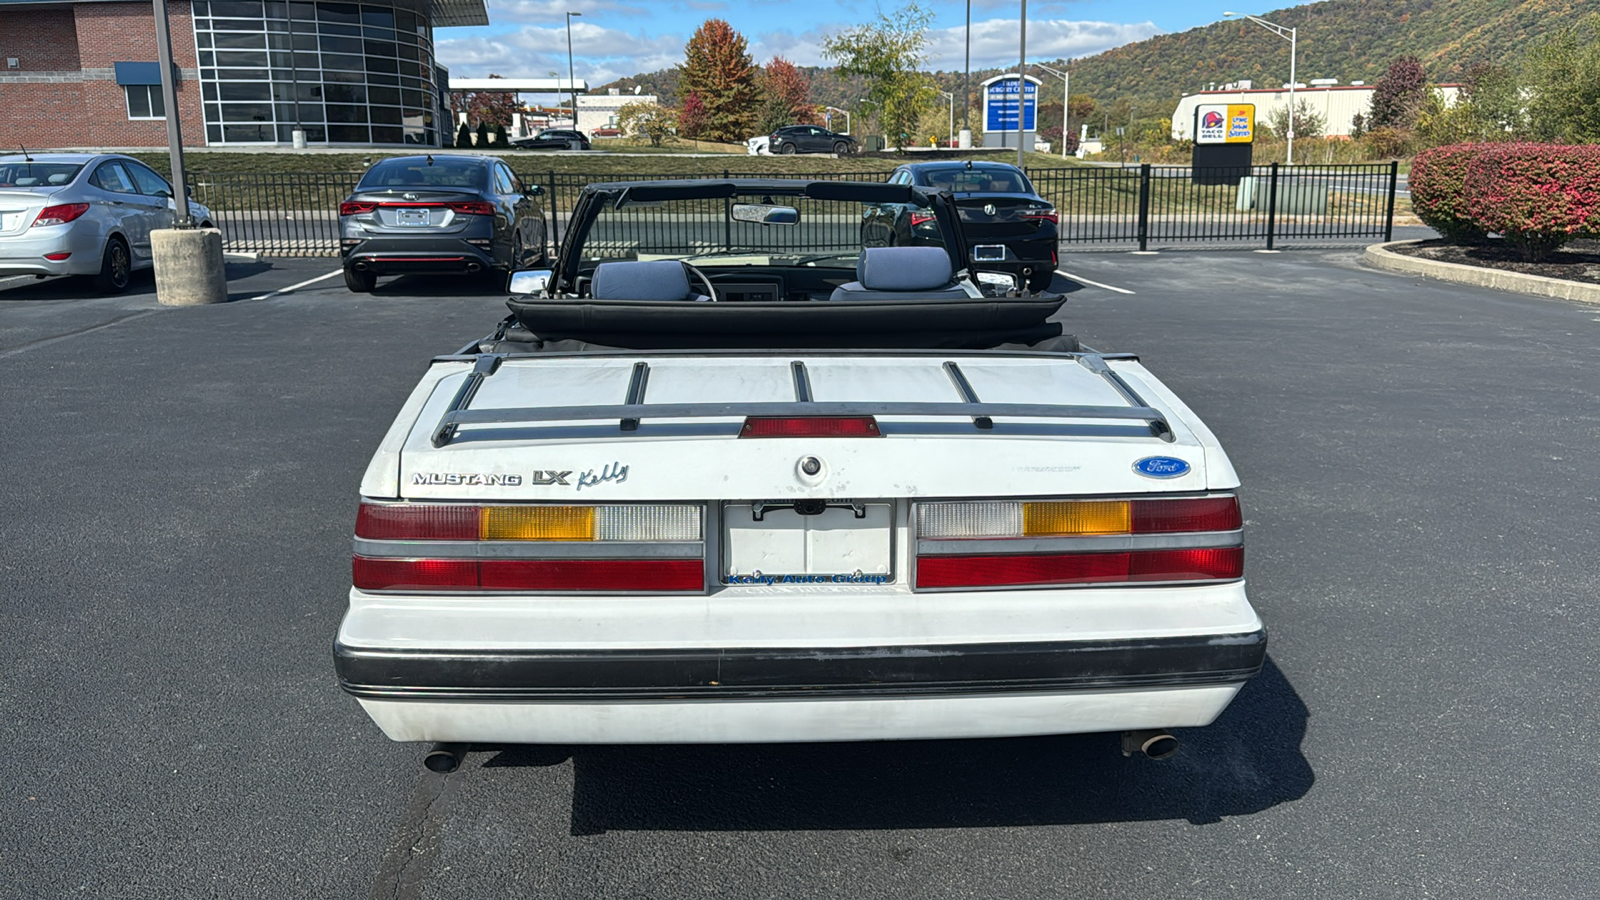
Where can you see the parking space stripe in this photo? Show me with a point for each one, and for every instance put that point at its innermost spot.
(296, 287)
(1095, 283)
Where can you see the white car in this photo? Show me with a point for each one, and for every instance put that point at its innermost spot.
(851, 494)
(83, 214)
(758, 146)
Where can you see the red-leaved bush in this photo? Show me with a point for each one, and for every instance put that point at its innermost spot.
(1438, 179)
(1535, 195)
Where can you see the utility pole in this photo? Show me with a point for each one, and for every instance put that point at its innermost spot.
(572, 84)
(169, 97)
(966, 90)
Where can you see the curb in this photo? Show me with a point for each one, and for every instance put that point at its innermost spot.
(236, 256)
(1379, 256)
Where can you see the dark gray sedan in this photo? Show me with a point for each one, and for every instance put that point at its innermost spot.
(439, 214)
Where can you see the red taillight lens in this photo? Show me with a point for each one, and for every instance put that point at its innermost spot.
(653, 575)
(1218, 564)
(414, 574)
(588, 575)
(921, 218)
(1047, 215)
(399, 522)
(810, 426)
(357, 207)
(59, 215)
(473, 208)
(57, 257)
(1191, 514)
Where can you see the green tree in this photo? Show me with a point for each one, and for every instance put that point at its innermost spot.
(1563, 78)
(1308, 123)
(482, 134)
(649, 121)
(889, 53)
(500, 136)
(717, 66)
(463, 137)
(786, 97)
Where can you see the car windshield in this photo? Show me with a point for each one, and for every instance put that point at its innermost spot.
(37, 174)
(418, 173)
(983, 181)
(829, 233)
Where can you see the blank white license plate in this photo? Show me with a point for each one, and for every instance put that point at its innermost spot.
(10, 221)
(784, 547)
(989, 252)
(413, 217)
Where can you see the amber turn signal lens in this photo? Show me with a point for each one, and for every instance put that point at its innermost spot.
(537, 523)
(1071, 517)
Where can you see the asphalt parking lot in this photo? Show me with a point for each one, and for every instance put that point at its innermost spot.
(1421, 500)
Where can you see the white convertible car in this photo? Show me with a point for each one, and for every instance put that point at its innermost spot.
(726, 475)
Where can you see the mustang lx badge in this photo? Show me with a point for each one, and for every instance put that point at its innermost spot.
(466, 478)
(1161, 467)
(615, 471)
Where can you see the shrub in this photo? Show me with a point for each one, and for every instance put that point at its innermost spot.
(1388, 142)
(1535, 195)
(1438, 183)
(463, 137)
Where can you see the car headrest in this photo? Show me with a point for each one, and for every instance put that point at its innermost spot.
(27, 182)
(59, 178)
(903, 268)
(663, 279)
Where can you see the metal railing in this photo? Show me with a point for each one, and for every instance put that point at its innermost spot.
(297, 214)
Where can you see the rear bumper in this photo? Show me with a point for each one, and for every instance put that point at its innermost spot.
(421, 253)
(792, 694)
(24, 254)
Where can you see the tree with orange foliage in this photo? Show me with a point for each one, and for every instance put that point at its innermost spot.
(787, 96)
(718, 68)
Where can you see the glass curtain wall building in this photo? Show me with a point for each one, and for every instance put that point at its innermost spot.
(345, 73)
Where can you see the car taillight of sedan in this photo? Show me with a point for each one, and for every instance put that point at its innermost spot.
(1043, 215)
(465, 207)
(59, 215)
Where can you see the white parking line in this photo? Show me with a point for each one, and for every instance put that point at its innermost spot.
(296, 287)
(1097, 284)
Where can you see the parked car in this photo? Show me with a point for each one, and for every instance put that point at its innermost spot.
(1007, 226)
(724, 475)
(439, 214)
(83, 214)
(811, 139)
(758, 146)
(554, 139)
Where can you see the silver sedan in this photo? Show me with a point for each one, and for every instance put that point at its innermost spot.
(82, 214)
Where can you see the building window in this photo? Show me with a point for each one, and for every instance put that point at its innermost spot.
(144, 101)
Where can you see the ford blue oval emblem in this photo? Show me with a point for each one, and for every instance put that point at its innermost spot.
(1161, 467)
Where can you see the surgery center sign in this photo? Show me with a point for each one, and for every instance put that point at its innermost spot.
(1225, 123)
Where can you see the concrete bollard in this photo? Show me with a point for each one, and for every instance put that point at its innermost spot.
(189, 267)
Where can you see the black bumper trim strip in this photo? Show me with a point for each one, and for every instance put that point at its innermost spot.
(715, 673)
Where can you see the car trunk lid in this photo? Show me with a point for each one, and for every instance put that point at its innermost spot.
(19, 208)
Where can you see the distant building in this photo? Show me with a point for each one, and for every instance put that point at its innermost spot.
(597, 112)
(83, 73)
(1337, 103)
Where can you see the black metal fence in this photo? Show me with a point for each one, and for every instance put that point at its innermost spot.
(1143, 206)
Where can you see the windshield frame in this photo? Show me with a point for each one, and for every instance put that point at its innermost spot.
(595, 198)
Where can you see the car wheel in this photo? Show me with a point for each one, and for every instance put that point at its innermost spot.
(1040, 280)
(116, 267)
(362, 281)
(787, 149)
(840, 148)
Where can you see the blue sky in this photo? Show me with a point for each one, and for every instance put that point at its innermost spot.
(624, 37)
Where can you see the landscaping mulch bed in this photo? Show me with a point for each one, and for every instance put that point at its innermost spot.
(1577, 260)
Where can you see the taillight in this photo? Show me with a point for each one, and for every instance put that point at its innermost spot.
(921, 218)
(809, 426)
(537, 547)
(1047, 215)
(473, 208)
(59, 215)
(357, 207)
(1063, 542)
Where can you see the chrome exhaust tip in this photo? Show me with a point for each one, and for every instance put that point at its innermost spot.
(1153, 743)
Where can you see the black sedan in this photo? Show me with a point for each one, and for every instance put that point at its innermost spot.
(554, 139)
(439, 214)
(1008, 227)
(810, 139)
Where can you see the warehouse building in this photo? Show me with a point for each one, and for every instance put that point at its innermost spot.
(1338, 104)
(250, 72)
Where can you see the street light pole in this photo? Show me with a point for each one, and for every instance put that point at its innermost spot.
(1292, 35)
(1066, 85)
(169, 98)
(572, 83)
(952, 99)
(1022, 78)
(846, 116)
(966, 78)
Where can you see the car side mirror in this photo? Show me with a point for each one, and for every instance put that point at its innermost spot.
(530, 281)
(534, 190)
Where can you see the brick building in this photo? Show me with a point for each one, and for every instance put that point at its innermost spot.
(251, 72)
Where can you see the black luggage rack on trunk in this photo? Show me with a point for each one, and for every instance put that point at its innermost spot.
(633, 409)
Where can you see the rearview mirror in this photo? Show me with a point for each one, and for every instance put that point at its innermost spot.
(765, 214)
(530, 281)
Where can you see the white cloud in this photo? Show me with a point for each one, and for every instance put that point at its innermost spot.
(994, 41)
(600, 54)
(554, 12)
